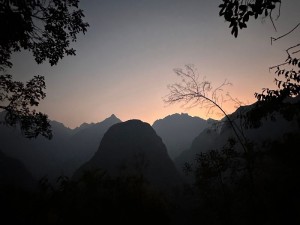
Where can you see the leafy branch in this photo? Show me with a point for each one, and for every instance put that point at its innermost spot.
(18, 101)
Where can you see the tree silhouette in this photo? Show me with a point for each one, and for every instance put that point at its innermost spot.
(192, 92)
(287, 74)
(212, 165)
(45, 28)
(20, 98)
(236, 187)
(278, 100)
(231, 184)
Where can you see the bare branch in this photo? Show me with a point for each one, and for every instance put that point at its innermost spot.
(288, 50)
(192, 92)
(272, 21)
(275, 39)
(292, 47)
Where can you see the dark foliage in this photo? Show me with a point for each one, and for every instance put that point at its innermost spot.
(288, 85)
(45, 28)
(95, 198)
(238, 12)
(287, 79)
(228, 196)
(20, 99)
(278, 100)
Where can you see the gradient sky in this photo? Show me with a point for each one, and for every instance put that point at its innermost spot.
(126, 59)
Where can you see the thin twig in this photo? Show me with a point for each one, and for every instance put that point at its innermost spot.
(271, 18)
(275, 39)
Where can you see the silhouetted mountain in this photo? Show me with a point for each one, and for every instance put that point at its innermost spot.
(216, 136)
(178, 131)
(134, 148)
(14, 174)
(67, 150)
(85, 142)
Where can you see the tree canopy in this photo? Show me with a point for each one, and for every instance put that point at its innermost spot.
(45, 28)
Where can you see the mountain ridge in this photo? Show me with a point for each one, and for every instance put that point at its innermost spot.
(133, 147)
(273, 128)
(53, 158)
(178, 131)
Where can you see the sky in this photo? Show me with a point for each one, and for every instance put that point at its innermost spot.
(125, 61)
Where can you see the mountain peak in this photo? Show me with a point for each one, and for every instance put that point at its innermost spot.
(112, 119)
(113, 116)
(133, 147)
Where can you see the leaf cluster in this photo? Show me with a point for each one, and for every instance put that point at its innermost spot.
(19, 99)
(288, 86)
(44, 27)
(278, 100)
(238, 12)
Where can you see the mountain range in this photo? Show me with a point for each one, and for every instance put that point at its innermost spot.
(65, 152)
(273, 128)
(179, 138)
(178, 131)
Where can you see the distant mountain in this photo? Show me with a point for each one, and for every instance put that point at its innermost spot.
(217, 135)
(68, 149)
(133, 147)
(82, 127)
(178, 131)
(41, 156)
(14, 174)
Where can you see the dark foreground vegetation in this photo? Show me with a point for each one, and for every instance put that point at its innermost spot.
(223, 192)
